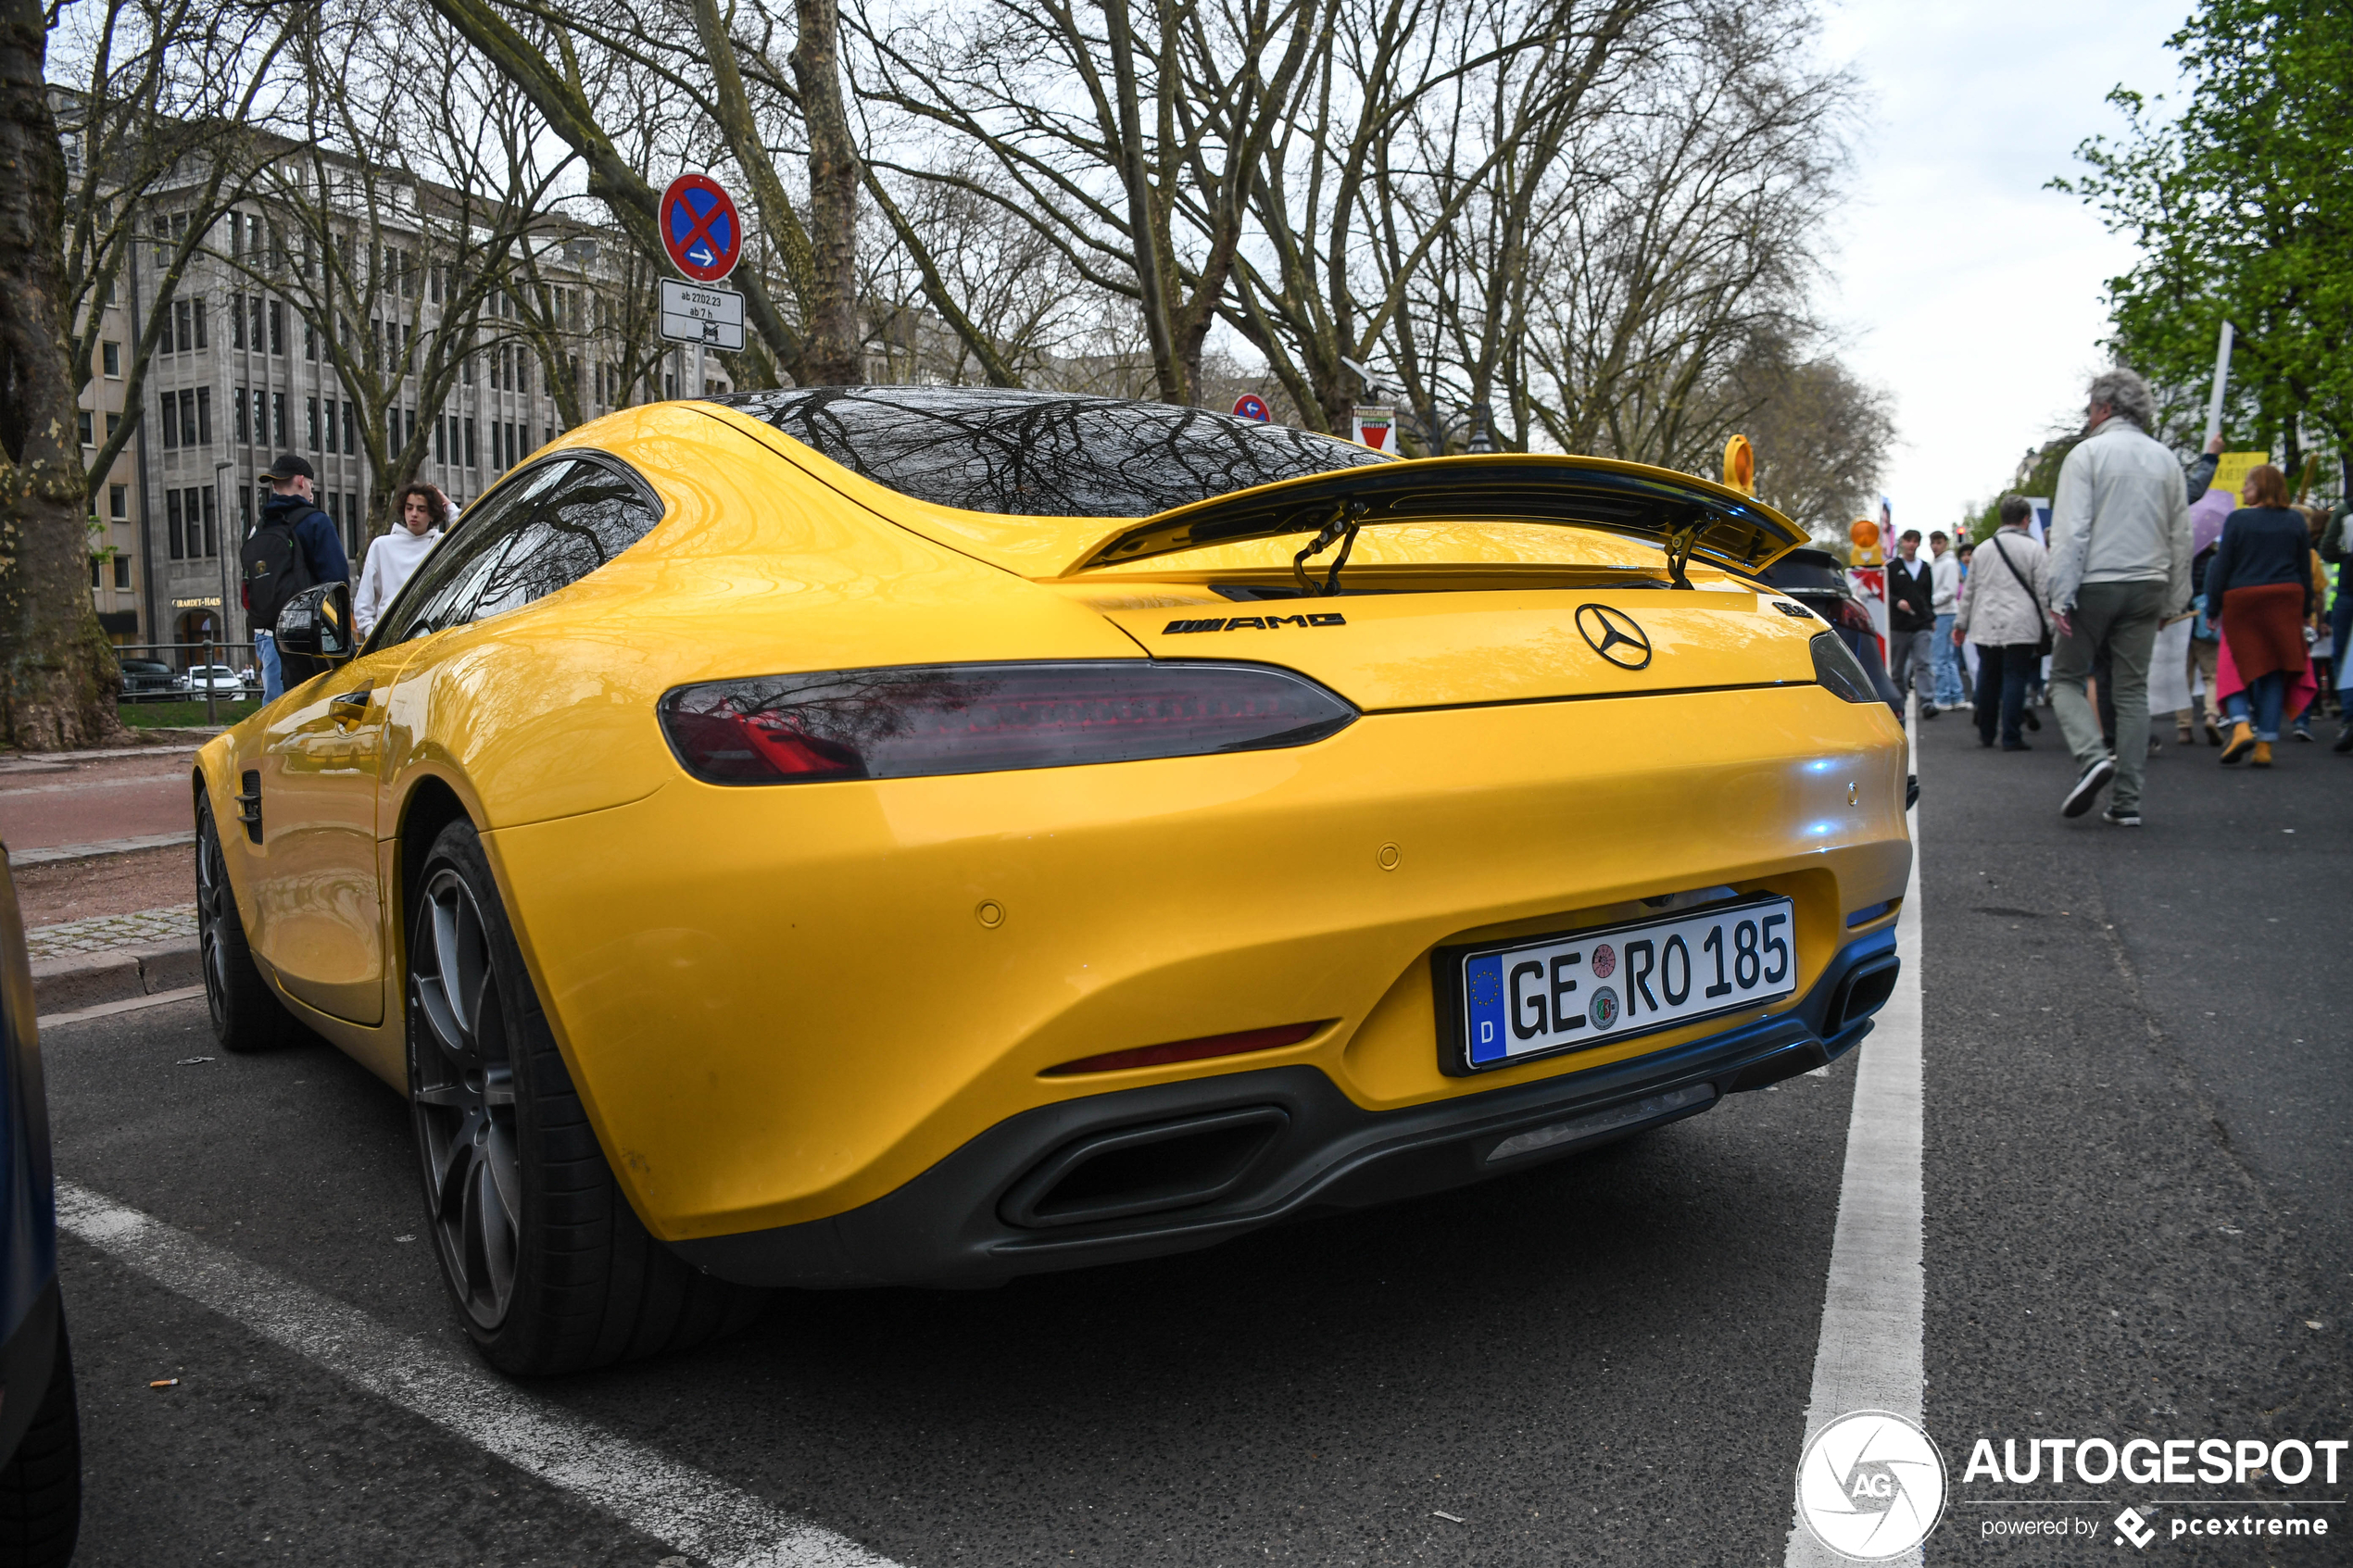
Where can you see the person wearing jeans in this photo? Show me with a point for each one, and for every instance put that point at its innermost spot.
(1945, 573)
(273, 679)
(1911, 623)
(2119, 567)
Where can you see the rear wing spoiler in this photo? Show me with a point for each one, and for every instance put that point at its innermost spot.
(1686, 517)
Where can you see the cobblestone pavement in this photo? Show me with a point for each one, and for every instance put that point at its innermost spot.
(103, 933)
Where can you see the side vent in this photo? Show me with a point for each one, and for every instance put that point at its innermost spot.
(249, 804)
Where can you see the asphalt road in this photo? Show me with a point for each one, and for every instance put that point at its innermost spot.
(2135, 1178)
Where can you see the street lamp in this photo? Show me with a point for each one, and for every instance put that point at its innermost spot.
(218, 470)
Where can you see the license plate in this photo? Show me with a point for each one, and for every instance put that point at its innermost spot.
(1547, 994)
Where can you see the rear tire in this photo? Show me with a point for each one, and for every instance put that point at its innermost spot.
(247, 1014)
(41, 1485)
(551, 1269)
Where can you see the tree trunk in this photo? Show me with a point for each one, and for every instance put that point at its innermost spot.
(832, 354)
(58, 679)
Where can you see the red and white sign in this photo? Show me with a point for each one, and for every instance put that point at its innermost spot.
(1250, 406)
(700, 228)
(1374, 424)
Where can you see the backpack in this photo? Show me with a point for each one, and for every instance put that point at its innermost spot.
(274, 572)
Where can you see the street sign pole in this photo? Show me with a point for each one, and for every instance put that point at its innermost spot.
(704, 236)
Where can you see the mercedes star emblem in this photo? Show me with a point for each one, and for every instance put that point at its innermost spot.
(1614, 636)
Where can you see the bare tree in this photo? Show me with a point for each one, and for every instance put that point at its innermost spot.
(168, 99)
(395, 220)
(60, 678)
(1691, 237)
(1131, 147)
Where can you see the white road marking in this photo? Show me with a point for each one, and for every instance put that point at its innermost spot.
(686, 1508)
(129, 1004)
(1870, 1356)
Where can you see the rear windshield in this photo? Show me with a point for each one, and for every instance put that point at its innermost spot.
(1032, 453)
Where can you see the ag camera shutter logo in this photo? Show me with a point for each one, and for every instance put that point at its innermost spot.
(1871, 1487)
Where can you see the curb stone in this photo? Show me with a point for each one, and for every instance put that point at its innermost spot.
(83, 980)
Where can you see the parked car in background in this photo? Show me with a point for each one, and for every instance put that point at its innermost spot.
(146, 680)
(1814, 579)
(218, 678)
(40, 1428)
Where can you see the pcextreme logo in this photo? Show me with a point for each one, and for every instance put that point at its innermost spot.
(1871, 1485)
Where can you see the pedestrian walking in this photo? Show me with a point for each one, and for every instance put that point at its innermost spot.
(293, 547)
(2003, 614)
(395, 555)
(1911, 620)
(2259, 589)
(2120, 566)
(1945, 579)
(2336, 549)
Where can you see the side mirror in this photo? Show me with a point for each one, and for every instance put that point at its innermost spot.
(316, 623)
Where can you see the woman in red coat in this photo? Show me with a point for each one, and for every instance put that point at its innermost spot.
(2259, 589)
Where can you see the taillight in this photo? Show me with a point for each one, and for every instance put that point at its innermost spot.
(912, 721)
(1835, 667)
(1854, 617)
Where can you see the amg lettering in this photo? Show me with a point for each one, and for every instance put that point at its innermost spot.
(1252, 623)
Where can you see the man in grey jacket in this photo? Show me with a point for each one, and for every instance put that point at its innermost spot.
(2119, 567)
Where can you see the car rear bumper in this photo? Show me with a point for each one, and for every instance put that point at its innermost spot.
(1171, 1167)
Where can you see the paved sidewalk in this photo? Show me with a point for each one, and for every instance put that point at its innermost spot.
(173, 925)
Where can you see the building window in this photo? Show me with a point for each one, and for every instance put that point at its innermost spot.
(89, 423)
(471, 461)
(118, 502)
(310, 341)
(253, 309)
(122, 572)
(114, 423)
(169, 420)
(188, 418)
(95, 565)
(211, 517)
(196, 305)
(350, 429)
(244, 425)
(310, 405)
(277, 326)
(411, 439)
(204, 416)
(245, 510)
(183, 334)
(171, 525)
(353, 523)
(260, 415)
(237, 310)
(278, 416)
(110, 360)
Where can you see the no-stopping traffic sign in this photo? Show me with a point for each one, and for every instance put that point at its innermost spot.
(700, 228)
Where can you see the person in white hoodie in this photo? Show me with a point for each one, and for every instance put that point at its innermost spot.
(395, 555)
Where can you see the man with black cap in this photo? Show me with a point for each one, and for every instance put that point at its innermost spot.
(293, 547)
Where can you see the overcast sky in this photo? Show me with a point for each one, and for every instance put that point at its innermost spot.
(1965, 287)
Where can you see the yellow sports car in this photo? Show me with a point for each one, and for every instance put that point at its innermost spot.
(926, 835)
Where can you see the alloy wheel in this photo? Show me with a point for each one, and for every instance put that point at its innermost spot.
(213, 908)
(462, 1092)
